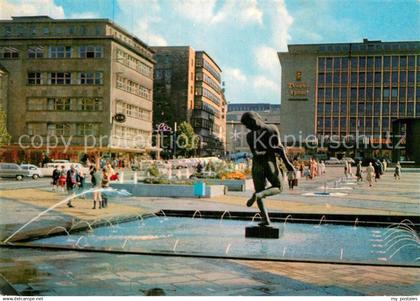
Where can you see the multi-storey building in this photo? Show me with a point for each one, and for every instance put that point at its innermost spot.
(340, 91)
(236, 131)
(69, 78)
(188, 88)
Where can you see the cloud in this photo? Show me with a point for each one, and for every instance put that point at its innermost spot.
(263, 83)
(147, 20)
(30, 8)
(234, 74)
(83, 15)
(206, 11)
(267, 60)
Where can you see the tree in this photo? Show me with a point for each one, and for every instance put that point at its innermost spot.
(4, 135)
(187, 141)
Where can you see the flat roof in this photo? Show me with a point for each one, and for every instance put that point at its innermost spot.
(48, 19)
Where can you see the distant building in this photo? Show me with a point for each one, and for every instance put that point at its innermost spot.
(69, 78)
(236, 132)
(188, 88)
(340, 91)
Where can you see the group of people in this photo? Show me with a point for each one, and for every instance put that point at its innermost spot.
(374, 171)
(74, 180)
(314, 169)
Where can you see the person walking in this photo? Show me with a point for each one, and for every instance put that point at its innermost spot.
(346, 168)
(322, 164)
(96, 180)
(397, 172)
(370, 174)
(359, 171)
(378, 167)
(71, 183)
(55, 178)
(105, 184)
(349, 169)
(291, 176)
(384, 164)
(62, 178)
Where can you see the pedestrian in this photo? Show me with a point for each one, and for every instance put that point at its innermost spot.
(71, 183)
(291, 176)
(306, 172)
(349, 169)
(96, 180)
(346, 168)
(62, 178)
(105, 184)
(81, 180)
(322, 164)
(359, 171)
(397, 172)
(377, 167)
(370, 174)
(385, 164)
(55, 178)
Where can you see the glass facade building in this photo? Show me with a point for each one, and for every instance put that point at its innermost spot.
(365, 93)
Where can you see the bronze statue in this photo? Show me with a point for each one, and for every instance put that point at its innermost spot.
(264, 142)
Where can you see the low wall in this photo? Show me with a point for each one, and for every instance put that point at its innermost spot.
(167, 190)
(233, 185)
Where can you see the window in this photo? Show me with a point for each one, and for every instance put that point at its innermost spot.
(343, 108)
(36, 104)
(385, 124)
(91, 51)
(377, 93)
(410, 93)
(361, 93)
(353, 93)
(9, 53)
(410, 109)
(362, 62)
(328, 78)
(402, 109)
(59, 78)
(402, 93)
(35, 128)
(320, 108)
(321, 77)
(411, 61)
(378, 62)
(85, 129)
(394, 93)
(354, 63)
(387, 62)
(90, 78)
(385, 108)
(344, 78)
(336, 63)
(377, 77)
(403, 77)
(403, 62)
(46, 31)
(369, 78)
(320, 93)
(354, 78)
(410, 76)
(55, 52)
(35, 52)
(34, 78)
(89, 104)
(328, 93)
(394, 77)
(387, 77)
(321, 63)
(59, 129)
(327, 108)
(344, 63)
(59, 104)
(386, 93)
(329, 63)
(343, 93)
(370, 62)
(394, 62)
(361, 78)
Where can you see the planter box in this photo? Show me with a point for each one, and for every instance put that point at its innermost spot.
(233, 185)
(168, 190)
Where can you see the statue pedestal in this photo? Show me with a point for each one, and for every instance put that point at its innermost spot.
(263, 232)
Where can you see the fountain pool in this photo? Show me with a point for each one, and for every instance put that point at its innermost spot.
(392, 245)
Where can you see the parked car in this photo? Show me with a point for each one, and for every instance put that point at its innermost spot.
(12, 170)
(333, 161)
(34, 171)
(350, 160)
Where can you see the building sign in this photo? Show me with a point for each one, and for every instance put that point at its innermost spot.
(298, 89)
(119, 117)
(163, 127)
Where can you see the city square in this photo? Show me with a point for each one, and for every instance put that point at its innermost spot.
(139, 159)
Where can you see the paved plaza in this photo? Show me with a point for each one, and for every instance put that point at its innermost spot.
(47, 272)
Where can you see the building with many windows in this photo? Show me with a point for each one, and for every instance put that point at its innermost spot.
(188, 88)
(341, 91)
(236, 131)
(69, 78)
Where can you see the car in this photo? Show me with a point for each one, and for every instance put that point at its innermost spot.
(349, 160)
(333, 161)
(34, 171)
(12, 170)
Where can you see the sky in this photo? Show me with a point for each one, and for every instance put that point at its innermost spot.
(242, 36)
